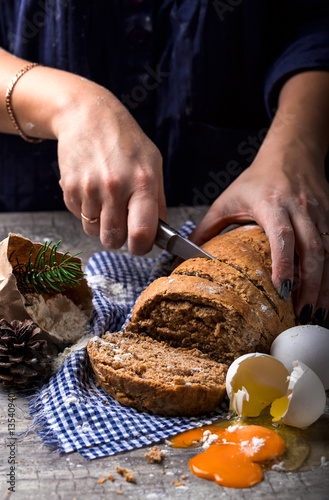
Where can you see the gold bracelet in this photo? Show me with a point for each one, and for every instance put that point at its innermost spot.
(9, 108)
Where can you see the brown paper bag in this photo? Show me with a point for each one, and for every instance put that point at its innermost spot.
(13, 303)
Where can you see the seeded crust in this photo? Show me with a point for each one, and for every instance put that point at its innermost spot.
(226, 308)
(154, 377)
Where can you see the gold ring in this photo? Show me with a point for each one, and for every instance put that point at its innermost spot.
(88, 219)
(324, 234)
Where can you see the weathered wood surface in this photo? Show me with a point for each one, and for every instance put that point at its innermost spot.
(42, 474)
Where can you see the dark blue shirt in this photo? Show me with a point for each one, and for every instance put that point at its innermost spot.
(201, 77)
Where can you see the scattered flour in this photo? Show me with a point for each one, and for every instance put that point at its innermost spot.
(111, 289)
(233, 428)
(29, 125)
(257, 443)
(71, 399)
(80, 344)
(244, 443)
(208, 439)
(120, 357)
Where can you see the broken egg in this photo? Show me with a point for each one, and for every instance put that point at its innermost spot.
(255, 381)
(307, 343)
(305, 400)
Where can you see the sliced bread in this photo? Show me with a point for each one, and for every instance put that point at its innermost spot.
(153, 377)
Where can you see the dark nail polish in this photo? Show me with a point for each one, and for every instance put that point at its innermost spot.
(286, 289)
(319, 316)
(306, 314)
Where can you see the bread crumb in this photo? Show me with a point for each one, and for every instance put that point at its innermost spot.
(119, 492)
(101, 480)
(154, 456)
(183, 476)
(179, 483)
(110, 477)
(127, 474)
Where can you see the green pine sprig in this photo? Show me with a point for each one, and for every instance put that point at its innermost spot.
(47, 274)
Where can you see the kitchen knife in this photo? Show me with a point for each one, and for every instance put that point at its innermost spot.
(169, 239)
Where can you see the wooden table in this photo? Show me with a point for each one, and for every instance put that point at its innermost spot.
(43, 474)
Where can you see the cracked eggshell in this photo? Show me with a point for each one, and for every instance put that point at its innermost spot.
(253, 381)
(308, 344)
(305, 400)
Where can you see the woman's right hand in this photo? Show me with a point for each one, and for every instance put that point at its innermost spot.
(109, 169)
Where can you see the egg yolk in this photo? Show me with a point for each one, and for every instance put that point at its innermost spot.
(260, 396)
(279, 408)
(234, 459)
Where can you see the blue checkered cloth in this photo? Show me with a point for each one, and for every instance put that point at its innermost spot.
(69, 411)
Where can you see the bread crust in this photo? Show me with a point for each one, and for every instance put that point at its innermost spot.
(247, 249)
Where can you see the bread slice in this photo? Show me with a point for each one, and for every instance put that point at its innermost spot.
(153, 377)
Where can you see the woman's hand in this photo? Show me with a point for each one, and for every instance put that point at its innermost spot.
(110, 169)
(286, 193)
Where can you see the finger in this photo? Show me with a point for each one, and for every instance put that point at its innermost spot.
(221, 214)
(90, 206)
(113, 228)
(90, 217)
(310, 250)
(72, 197)
(82, 199)
(143, 216)
(277, 225)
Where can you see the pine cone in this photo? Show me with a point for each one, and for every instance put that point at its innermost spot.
(23, 353)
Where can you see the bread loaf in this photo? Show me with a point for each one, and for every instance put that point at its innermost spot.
(205, 314)
(225, 308)
(151, 376)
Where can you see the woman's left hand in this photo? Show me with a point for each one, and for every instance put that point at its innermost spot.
(285, 191)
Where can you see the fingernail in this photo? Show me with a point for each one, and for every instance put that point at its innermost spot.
(319, 315)
(306, 314)
(286, 289)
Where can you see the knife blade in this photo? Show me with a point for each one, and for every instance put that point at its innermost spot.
(169, 239)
